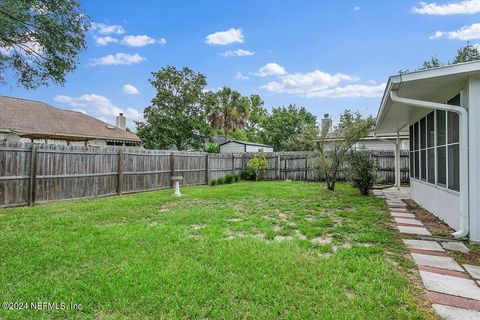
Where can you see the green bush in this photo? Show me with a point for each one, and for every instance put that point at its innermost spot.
(211, 147)
(221, 180)
(248, 174)
(213, 183)
(236, 177)
(362, 171)
(259, 163)
(229, 178)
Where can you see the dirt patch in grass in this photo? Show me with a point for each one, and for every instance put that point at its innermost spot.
(436, 226)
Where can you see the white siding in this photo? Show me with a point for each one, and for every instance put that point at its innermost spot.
(257, 148)
(232, 146)
(442, 203)
(471, 98)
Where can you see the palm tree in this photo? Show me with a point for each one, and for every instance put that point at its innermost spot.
(227, 110)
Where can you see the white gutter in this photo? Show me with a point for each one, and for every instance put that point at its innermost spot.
(464, 168)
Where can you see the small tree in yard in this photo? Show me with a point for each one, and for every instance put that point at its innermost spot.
(333, 147)
(259, 163)
(362, 171)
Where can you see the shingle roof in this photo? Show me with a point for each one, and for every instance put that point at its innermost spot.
(37, 119)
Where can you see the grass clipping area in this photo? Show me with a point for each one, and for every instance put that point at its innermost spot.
(252, 250)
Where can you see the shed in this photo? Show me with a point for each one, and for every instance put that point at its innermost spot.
(243, 146)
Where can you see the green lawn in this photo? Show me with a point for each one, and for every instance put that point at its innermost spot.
(261, 250)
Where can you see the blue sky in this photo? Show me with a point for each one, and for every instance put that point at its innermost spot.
(324, 55)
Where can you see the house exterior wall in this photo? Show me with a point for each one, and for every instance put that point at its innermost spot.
(472, 98)
(8, 136)
(442, 203)
(230, 147)
(381, 145)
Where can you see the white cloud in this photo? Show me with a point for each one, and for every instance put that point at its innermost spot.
(470, 32)
(271, 69)
(103, 41)
(350, 91)
(238, 53)
(103, 28)
(305, 83)
(240, 76)
(129, 89)
(225, 37)
(141, 41)
(437, 35)
(98, 106)
(117, 59)
(462, 7)
(356, 8)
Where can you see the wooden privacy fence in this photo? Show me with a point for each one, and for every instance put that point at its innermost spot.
(38, 173)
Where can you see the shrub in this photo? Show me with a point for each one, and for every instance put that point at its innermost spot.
(229, 178)
(213, 182)
(211, 147)
(221, 180)
(362, 171)
(259, 163)
(248, 174)
(236, 177)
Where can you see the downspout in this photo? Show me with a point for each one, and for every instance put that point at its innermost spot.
(397, 157)
(464, 169)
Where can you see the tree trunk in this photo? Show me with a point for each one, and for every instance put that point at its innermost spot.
(225, 134)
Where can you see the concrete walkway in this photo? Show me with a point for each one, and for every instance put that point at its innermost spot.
(452, 288)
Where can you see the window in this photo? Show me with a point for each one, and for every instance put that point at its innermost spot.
(435, 148)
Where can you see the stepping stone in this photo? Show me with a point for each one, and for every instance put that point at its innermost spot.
(450, 285)
(474, 271)
(423, 245)
(408, 221)
(436, 261)
(452, 313)
(455, 246)
(414, 230)
(402, 215)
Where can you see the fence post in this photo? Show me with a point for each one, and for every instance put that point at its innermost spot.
(33, 175)
(233, 163)
(279, 174)
(207, 169)
(306, 167)
(120, 172)
(172, 168)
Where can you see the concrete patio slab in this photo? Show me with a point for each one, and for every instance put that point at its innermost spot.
(455, 246)
(409, 221)
(436, 261)
(452, 313)
(423, 245)
(450, 285)
(474, 271)
(414, 230)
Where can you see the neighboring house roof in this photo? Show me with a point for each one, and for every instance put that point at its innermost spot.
(435, 85)
(36, 119)
(371, 136)
(247, 143)
(218, 139)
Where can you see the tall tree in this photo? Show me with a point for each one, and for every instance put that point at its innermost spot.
(176, 116)
(434, 62)
(40, 40)
(283, 124)
(257, 119)
(227, 110)
(467, 54)
(334, 146)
